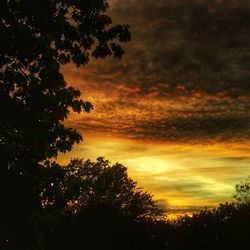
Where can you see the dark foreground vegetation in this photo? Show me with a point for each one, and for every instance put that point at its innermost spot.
(95, 205)
(84, 205)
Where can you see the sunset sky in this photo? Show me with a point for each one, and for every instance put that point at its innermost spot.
(175, 110)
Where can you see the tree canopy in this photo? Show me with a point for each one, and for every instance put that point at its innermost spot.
(242, 194)
(102, 207)
(37, 37)
(102, 183)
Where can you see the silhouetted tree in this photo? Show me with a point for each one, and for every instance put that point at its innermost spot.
(105, 226)
(224, 227)
(102, 207)
(88, 182)
(242, 189)
(37, 38)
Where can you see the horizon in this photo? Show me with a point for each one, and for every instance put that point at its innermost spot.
(182, 178)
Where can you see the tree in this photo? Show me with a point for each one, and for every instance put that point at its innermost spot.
(101, 206)
(242, 189)
(102, 183)
(224, 227)
(104, 226)
(36, 38)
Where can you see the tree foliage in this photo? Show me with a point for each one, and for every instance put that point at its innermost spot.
(95, 204)
(225, 227)
(36, 38)
(86, 183)
(242, 194)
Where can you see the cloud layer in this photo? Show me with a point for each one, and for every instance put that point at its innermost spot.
(185, 76)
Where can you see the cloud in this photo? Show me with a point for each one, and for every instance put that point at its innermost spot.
(199, 45)
(185, 76)
(196, 129)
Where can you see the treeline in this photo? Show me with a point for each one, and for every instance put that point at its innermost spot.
(84, 205)
(225, 227)
(95, 205)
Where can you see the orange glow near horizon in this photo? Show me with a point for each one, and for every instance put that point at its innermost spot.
(180, 176)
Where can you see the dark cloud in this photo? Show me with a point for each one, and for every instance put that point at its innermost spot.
(184, 210)
(194, 129)
(200, 45)
(238, 158)
(185, 76)
(145, 122)
(182, 46)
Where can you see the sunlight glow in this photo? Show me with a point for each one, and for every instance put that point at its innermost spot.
(176, 174)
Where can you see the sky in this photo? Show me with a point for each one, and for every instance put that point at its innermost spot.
(175, 110)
